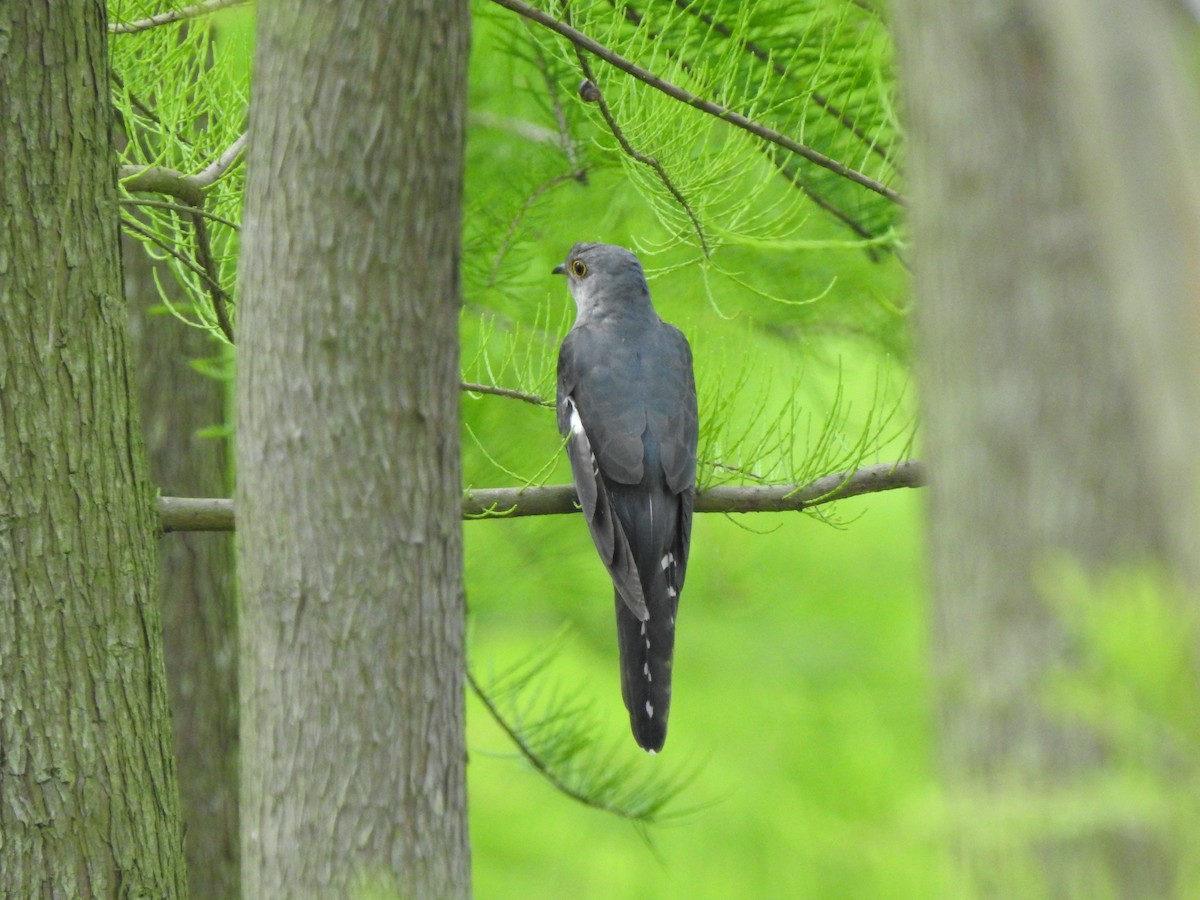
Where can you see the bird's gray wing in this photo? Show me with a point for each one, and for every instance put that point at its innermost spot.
(671, 409)
(671, 417)
(595, 373)
(585, 456)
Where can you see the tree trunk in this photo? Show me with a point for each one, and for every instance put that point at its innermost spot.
(196, 576)
(88, 799)
(1055, 221)
(348, 452)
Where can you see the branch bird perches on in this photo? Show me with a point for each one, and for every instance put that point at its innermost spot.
(217, 514)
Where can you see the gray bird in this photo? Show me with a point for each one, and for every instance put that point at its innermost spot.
(627, 408)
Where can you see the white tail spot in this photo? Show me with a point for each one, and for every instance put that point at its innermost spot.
(649, 709)
(671, 592)
(667, 560)
(646, 671)
(576, 422)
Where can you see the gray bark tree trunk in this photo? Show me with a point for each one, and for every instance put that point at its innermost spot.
(88, 799)
(197, 596)
(1055, 221)
(348, 452)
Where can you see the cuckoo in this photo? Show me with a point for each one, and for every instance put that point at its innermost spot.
(627, 409)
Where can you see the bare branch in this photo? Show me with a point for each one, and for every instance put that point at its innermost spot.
(162, 180)
(207, 177)
(204, 256)
(195, 514)
(505, 392)
(713, 109)
(559, 499)
(134, 227)
(187, 514)
(174, 15)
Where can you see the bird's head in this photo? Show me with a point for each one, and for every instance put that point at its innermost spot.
(605, 280)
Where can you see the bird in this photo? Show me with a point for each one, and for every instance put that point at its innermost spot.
(626, 404)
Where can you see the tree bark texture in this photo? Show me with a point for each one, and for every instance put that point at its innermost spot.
(88, 800)
(1055, 221)
(198, 602)
(348, 452)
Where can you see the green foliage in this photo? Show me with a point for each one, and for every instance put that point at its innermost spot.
(760, 275)
(560, 736)
(181, 99)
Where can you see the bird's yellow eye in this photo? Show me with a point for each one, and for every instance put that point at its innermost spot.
(578, 268)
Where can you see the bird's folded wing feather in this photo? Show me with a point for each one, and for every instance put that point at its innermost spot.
(671, 413)
(607, 533)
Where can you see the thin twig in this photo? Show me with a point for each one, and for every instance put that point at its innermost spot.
(174, 15)
(204, 255)
(505, 392)
(142, 107)
(188, 514)
(845, 218)
(713, 109)
(643, 158)
(540, 765)
(180, 208)
(565, 139)
(205, 265)
(137, 228)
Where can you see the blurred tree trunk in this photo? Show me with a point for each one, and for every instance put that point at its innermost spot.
(88, 799)
(196, 575)
(1056, 223)
(350, 541)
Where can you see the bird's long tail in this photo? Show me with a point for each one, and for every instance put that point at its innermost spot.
(646, 650)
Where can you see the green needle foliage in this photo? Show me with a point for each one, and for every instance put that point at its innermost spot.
(181, 100)
(562, 739)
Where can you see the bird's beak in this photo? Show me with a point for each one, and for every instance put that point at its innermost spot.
(560, 269)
